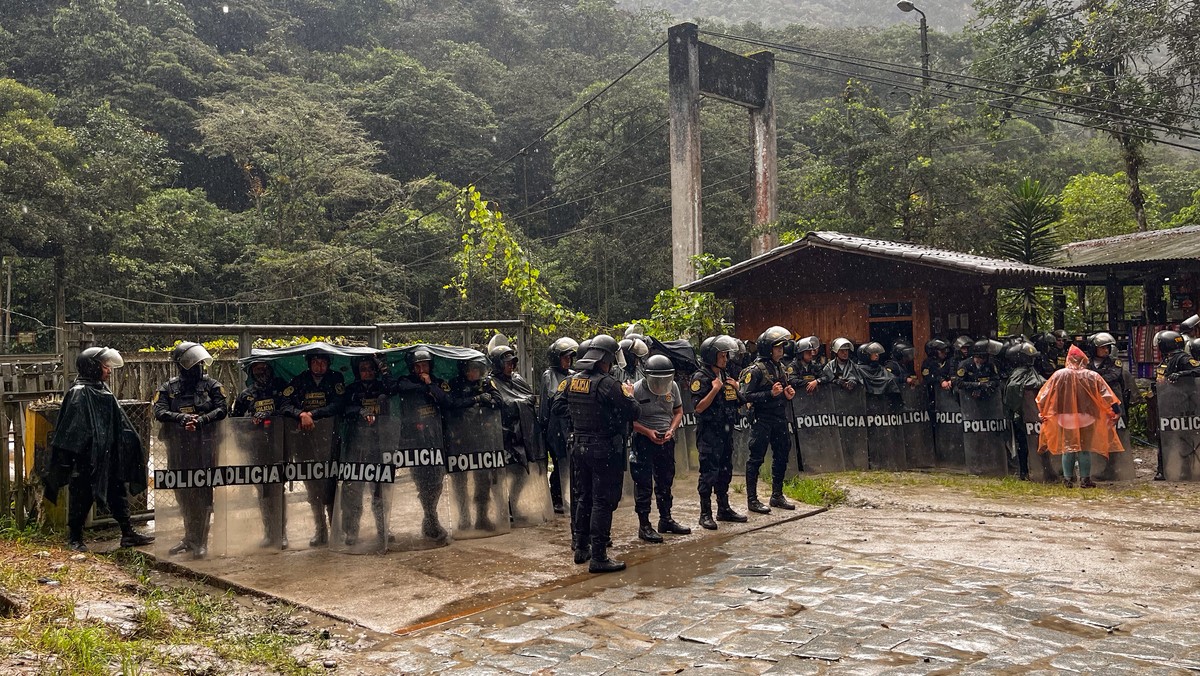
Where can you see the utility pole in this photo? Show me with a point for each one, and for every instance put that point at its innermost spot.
(8, 306)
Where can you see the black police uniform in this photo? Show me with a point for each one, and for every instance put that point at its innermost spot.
(714, 436)
(176, 402)
(362, 443)
(262, 402)
(556, 429)
(978, 381)
(435, 395)
(323, 400)
(465, 394)
(600, 413)
(770, 423)
(522, 437)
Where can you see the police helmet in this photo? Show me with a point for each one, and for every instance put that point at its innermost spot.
(934, 346)
(1189, 324)
(501, 355)
(635, 346)
(713, 346)
(903, 351)
(981, 348)
(789, 349)
(660, 373)
(308, 358)
(1060, 334)
(477, 365)
(1169, 342)
(961, 343)
(840, 344)
(1103, 339)
(1193, 348)
(868, 350)
(602, 348)
(1023, 354)
(357, 362)
(776, 336)
(560, 347)
(635, 331)
(419, 355)
(186, 355)
(584, 346)
(89, 361)
(809, 344)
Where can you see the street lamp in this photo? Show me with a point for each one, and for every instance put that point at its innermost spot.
(906, 6)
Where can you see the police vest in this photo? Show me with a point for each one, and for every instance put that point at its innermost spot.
(191, 397)
(583, 400)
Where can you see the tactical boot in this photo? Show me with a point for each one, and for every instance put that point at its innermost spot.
(726, 513)
(600, 562)
(132, 538)
(77, 545)
(706, 520)
(431, 529)
(777, 500)
(668, 525)
(321, 534)
(646, 531)
(583, 554)
(752, 502)
(179, 548)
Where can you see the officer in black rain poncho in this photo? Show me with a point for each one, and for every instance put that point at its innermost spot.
(365, 414)
(522, 437)
(902, 364)
(262, 400)
(432, 392)
(600, 409)
(95, 451)
(876, 377)
(314, 395)
(1024, 378)
(716, 398)
(938, 368)
(764, 384)
(841, 370)
(187, 406)
(961, 350)
(556, 429)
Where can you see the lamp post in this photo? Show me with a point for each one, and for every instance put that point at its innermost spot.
(906, 6)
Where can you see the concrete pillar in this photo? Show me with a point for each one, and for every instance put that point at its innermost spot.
(765, 186)
(683, 52)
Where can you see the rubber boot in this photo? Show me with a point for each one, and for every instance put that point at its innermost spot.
(726, 513)
(668, 525)
(646, 531)
(600, 562)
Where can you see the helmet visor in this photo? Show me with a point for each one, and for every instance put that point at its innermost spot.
(659, 383)
(194, 355)
(112, 359)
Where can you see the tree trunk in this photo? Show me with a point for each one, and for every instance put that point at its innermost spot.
(1132, 154)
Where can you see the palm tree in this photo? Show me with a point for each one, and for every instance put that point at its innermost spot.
(1028, 236)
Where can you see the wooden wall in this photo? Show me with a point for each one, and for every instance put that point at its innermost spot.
(828, 315)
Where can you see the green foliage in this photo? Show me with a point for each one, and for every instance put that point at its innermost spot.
(1027, 236)
(492, 256)
(820, 491)
(1097, 205)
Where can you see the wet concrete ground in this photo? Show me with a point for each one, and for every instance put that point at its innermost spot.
(902, 580)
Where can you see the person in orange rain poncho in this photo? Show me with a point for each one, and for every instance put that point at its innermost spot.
(1079, 413)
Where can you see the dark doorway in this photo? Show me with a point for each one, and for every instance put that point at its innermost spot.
(887, 332)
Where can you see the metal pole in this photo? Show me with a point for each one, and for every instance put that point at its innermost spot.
(924, 51)
(8, 307)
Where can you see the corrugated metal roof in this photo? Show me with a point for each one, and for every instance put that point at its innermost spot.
(1173, 244)
(903, 251)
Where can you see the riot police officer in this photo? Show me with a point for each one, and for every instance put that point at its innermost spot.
(807, 371)
(764, 384)
(314, 395)
(652, 463)
(93, 432)
(427, 391)
(1023, 377)
(902, 364)
(978, 376)
(600, 409)
(187, 406)
(633, 352)
(938, 368)
(717, 399)
(261, 400)
(1119, 379)
(366, 407)
(841, 370)
(466, 391)
(522, 437)
(560, 357)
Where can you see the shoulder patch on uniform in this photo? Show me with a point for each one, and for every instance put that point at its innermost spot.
(747, 376)
(1117, 363)
(287, 391)
(695, 385)
(1193, 362)
(962, 372)
(790, 370)
(339, 388)
(445, 387)
(221, 390)
(924, 372)
(562, 386)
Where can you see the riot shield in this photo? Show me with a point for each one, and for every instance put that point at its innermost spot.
(741, 442)
(529, 494)
(309, 479)
(417, 504)
(1179, 428)
(885, 433)
(1051, 464)
(948, 431)
(184, 505)
(687, 448)
(248, 517)
(475, 459)
(364, 447)
(851, 409)
(985, 435)
(918, 429)
(817, 431)
(1118, 466)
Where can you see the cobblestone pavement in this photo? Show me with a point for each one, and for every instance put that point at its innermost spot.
(870, 591)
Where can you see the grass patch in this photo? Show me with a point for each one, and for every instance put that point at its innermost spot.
(820, 491)
(992, 487)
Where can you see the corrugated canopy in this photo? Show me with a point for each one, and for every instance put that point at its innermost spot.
(996, 271)
(1174, 244)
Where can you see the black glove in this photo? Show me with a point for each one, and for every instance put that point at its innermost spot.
(260, 416)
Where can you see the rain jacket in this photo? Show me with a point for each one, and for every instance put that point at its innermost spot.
(1078, 410)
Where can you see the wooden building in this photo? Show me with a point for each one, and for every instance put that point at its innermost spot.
(833, 285)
